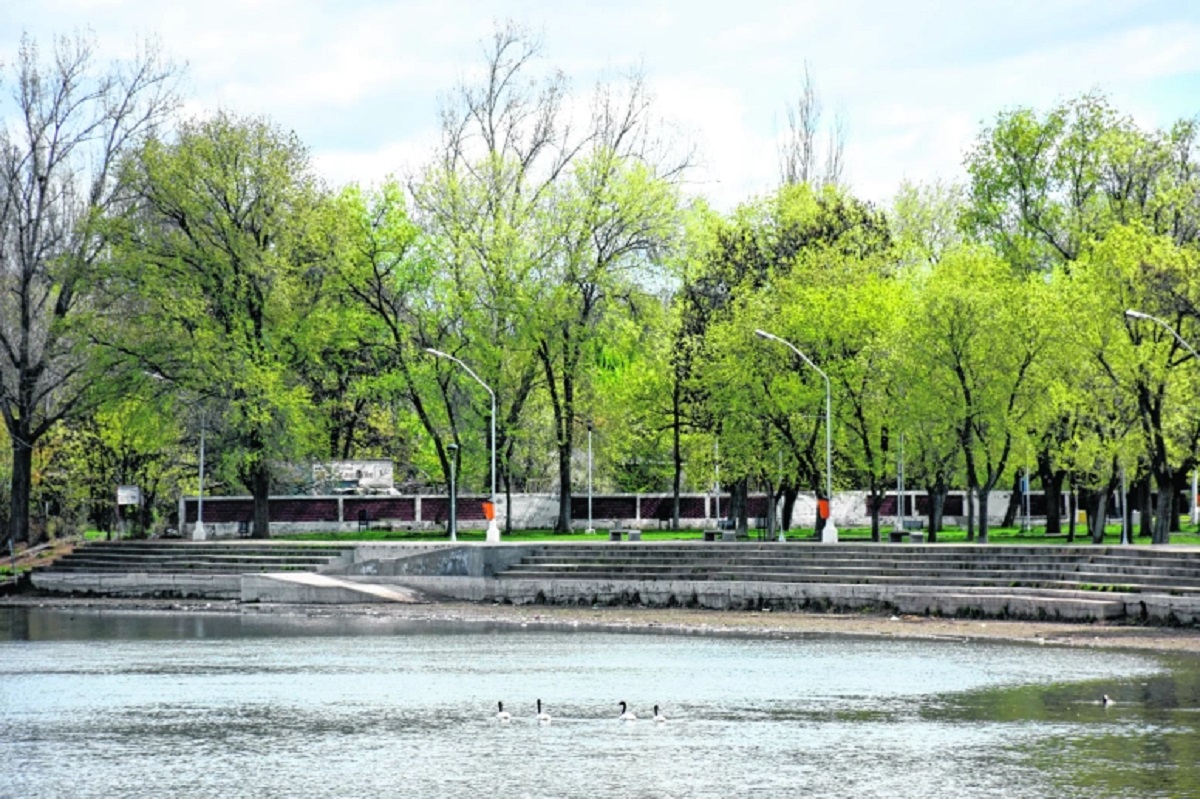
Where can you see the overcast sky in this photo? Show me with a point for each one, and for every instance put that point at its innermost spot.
(913, 80)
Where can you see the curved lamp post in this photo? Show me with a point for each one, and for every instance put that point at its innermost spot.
(453, 448)
(493, 530)
(829, 534)
(590, 528)
(1132, 314)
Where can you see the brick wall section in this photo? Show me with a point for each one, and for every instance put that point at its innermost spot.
(467, 509)
(402, 509)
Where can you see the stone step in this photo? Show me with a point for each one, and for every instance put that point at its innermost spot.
(1027, 606)
(1111, 565)
(926, 569)
(150, 560)
(626, 552)
(862, 577)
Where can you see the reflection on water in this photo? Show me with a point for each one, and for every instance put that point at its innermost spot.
(125, 704)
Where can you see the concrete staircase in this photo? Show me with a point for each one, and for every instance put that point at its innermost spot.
(181, 568)
(1030, 582)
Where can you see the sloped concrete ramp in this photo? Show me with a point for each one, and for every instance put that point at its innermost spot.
(306, 588)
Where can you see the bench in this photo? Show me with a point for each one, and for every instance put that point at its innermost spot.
(618, 534)
(724, 535)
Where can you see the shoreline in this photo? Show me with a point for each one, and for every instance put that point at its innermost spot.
(683, 621)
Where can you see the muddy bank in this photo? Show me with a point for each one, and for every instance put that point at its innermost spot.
(690, 621)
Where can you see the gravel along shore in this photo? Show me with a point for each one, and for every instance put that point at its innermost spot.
(681, 620)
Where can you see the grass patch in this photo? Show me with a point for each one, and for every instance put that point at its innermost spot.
(951, 535)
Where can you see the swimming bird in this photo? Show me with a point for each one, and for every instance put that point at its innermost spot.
(501, 713)
(1107, 700)
(626, 715)
(658, 716)
(542, 717)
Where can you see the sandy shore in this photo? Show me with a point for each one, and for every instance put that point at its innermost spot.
(681, 620)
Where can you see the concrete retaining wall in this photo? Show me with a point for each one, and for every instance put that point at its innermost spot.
(141, 584)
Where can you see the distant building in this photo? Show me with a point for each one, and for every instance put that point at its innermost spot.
(353, 477)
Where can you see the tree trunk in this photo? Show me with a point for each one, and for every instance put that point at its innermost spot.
(563, 524)
(937, 507)
(970, 513)
(1014, 503)
(985, 494)
(876, 498)
(1097, 516)
(790, 492)
(738, 494)
(1072, 516)
(261, 489)
(1146, 523)
(22, 488)
(1052, 483)
(1162, 508)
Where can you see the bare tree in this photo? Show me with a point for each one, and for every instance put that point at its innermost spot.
(800, 159)
(70, 123)
(533, 202)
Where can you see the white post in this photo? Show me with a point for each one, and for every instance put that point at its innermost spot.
(1195, 495)
(1125, 539)
(717, 470)
(453, 448)
(900, 487)
(1025, 500)
(198, 532)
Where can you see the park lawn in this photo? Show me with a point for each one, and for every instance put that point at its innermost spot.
(951, 535)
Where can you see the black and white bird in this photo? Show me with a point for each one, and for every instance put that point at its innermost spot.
(542, 717)
(659, 717)
(626, 714)
(501, 713)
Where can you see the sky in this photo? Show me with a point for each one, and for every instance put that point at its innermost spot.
(912, 81)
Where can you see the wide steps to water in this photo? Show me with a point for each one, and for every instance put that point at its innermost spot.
(1055, 568)
(183, 557)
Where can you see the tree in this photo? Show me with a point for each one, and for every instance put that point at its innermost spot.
(221, 260)
(980, 339)
(799, 152)
(615, 218)
(533, 218)
(70, 123)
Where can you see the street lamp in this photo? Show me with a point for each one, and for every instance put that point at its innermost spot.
(590, 529)
(829, 534)
(198, 533)
(493, 530)
(453, 448)
(1132, 314)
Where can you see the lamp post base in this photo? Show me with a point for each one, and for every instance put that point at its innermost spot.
(199, 533)
(829, 534)
(493, 532)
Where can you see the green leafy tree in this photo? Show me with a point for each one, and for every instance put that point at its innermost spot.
(220, 261)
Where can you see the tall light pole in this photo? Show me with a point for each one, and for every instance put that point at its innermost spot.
(493, 530)
(1132, 314)
(198, 533)
(453, 448)
(900, 487)
(590, 529)
(829, 534)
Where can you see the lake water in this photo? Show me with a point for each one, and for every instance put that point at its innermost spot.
(119, 704)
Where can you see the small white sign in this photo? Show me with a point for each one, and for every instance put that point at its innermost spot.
(129, 495)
